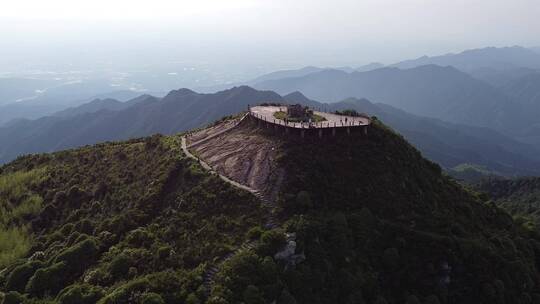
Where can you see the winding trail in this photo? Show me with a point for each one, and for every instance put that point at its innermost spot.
(269, 205)
(208, 168)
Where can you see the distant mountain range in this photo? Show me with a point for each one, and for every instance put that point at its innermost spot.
(497, 93)
(471, 60)
(433, 91)
(47, 105)
(34, 98)
(110, 120)
(99, 121)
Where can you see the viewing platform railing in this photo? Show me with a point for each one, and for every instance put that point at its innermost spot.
(351, 122)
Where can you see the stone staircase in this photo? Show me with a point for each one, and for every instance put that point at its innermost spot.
(270, 206)
(210, 273)
(270, 223)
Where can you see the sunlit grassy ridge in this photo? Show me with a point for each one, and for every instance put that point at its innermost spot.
(18, 203)
(117, 223)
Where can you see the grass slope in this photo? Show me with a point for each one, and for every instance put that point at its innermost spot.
(131, 222)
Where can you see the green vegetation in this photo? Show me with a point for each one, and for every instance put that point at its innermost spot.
(18, 203)
(374, 222)
(521, 197)
(351, 112)
(130, 222)
(283, 115)
(470, 173)
(380, 224)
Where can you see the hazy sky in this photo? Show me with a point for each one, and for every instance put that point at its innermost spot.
(269, 32)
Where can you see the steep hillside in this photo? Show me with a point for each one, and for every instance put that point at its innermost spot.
(448, 144)
(368, 221)
(131, 222)
(519, 196)
(433, 91)
(377, 223)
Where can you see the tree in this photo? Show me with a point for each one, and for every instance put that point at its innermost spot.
(252, 295)
(286, 298)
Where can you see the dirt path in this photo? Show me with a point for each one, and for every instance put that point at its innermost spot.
(208, 168)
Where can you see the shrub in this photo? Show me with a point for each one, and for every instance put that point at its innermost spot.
(432, 299)
(380, 300)
(286, 298)
(254, 233)
(272, 241)
(47, 280)
(85, 226)
(78, 255)
(192, 299)
(217, 300)
(252, 295)
(80, 294)
(412, 299)
(139, 237)
(303, 201)
(19, 276)
(152, 298)
(67, 229)
(123, 293)
(391, 258)
(164, 252)
(14, 243)
(13, 297)
(119, 266)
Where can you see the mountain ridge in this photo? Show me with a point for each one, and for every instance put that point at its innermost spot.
(183, 109)
(440, 92)
(473, 59)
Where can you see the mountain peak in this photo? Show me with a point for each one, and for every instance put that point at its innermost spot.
(179, 92)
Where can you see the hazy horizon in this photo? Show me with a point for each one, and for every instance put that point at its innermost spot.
(256, 35)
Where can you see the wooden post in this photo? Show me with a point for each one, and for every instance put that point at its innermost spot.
(302, 133)
(320, 133)
(348, 130)
(365, 130)
(334, 131)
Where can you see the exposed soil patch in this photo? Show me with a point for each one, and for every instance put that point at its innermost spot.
(210, 131)
(243, 154)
